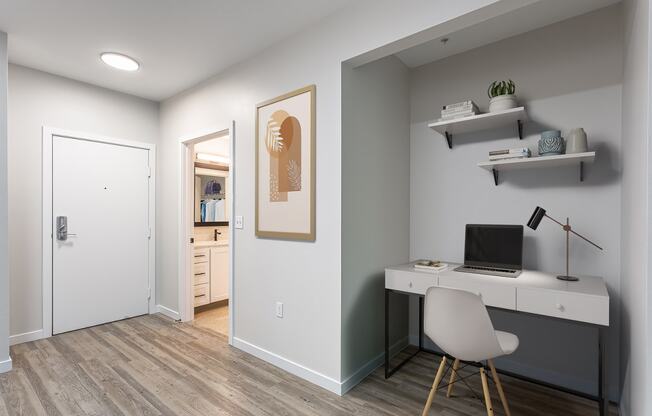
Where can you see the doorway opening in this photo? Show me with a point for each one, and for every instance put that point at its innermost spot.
(206, 263)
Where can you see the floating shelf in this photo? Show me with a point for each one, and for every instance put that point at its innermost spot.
(480, 122)
(579, 159)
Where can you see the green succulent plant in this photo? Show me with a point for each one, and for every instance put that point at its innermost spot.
(498, 88)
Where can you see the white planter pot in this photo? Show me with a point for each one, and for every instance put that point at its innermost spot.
(502, 102)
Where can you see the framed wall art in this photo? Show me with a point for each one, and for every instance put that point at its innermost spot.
(285, 166)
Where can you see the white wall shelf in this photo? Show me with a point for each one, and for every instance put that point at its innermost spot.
(539, 162)
(480, 122)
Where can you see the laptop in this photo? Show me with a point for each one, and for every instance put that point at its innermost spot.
(495, 250)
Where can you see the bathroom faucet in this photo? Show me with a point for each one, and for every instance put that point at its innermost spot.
(216, 234)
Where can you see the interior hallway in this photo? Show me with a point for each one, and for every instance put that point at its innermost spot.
(151, 365)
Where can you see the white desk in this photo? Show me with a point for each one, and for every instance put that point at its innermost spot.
(585, 302)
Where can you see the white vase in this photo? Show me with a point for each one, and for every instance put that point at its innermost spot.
(502, 102)
(576, 141)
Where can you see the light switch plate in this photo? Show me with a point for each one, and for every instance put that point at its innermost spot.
(239, 222)
(279, 309)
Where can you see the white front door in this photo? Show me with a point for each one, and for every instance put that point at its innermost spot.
(100, 271)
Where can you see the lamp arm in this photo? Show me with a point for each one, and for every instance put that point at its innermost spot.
(564, 226)
(586, 239)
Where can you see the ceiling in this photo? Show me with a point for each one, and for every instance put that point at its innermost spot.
(178, 43)
(525, 19)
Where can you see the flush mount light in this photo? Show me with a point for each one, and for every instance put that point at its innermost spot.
(119, 61)
(213, 158)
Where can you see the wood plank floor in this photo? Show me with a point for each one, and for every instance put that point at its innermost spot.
(152, 366)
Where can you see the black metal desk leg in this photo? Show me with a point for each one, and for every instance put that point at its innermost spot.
(386, 333)
(420, 323)
(603, 394)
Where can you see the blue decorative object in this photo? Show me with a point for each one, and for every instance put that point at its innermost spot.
(551, 143)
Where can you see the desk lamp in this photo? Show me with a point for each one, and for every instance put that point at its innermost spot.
(536, 218)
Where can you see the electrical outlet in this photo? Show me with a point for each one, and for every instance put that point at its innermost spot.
(239, 222)
(279, 309)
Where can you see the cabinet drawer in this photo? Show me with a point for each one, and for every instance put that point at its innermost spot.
(499, 296)
(200, 273)
(412, 282)
(200, 278)
(201, 295)
(200, 255)
(573, 306)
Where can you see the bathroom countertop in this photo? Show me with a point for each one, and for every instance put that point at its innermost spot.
(211, 243)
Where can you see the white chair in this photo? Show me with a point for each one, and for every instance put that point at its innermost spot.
(458, 322)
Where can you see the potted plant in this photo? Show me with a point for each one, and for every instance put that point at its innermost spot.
(501, 95)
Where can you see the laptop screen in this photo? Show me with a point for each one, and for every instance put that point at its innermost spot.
(499, 246)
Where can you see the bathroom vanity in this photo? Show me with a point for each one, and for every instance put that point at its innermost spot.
(210, 272)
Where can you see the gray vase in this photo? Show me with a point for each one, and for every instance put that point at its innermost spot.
(551, 143)
(576, 141)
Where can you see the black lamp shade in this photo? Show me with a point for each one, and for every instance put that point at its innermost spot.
(536, 218)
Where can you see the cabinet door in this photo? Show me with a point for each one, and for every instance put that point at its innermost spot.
(219, 273)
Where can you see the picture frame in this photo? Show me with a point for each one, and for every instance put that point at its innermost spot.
(285, 166)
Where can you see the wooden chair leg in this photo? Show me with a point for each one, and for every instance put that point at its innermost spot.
(435, 384)
(456, 365)
(499, 386)
(485, 390)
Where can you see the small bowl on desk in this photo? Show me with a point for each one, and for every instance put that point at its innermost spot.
(551, 143)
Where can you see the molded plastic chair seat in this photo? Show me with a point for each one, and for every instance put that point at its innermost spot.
(508, 342)
(458, 322)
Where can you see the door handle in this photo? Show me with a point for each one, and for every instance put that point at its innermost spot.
(62, 228)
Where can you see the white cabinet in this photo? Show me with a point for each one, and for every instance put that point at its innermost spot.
(210, 273)
(219, 273)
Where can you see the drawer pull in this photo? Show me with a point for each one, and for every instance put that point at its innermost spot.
(559, 307)
(200, 255)
(199, 296)
(199, 274)
(410, 285)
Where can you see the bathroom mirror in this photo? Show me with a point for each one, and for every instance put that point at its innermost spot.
(211, 197)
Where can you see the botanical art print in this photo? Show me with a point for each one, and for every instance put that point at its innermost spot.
(285, 166)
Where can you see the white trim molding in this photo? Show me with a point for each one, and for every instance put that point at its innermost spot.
(46, 224)
(5, 365)
(167, 312)
(291, 367)
(26, 337)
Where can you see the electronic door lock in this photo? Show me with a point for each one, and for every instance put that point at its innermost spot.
(62, 229)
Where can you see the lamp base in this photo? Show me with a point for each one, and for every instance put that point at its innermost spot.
(568, 278)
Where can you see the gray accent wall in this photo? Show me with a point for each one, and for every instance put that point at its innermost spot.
(375, 206)
(568, 75)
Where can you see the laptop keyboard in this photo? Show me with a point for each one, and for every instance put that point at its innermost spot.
(490, 269)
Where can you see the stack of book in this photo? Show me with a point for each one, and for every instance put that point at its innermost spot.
(518, 153)
(459, 110)
(434, 265)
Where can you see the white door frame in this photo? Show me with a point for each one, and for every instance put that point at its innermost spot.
(46, 225)
(186, 224)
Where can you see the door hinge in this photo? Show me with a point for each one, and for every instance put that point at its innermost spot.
(149, 172)
(149, 292)
(149, 233)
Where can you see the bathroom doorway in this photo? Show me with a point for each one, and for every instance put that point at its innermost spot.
(206, 263)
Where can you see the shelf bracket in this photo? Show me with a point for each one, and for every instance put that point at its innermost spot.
(495, 172)
(581, 171)
(519, 125)
(449, 139)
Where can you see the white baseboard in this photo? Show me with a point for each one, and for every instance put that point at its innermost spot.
(371, 366)
(26, 337)
(168, 312)
(5, 365)
(291, 367)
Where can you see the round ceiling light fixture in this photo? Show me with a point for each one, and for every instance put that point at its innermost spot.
(119, 61)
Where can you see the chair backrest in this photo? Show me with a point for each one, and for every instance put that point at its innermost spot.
(458, 322)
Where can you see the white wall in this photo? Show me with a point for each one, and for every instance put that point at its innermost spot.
(38, 99)
(635, 349)
(305, 276)
(568, 75)
(375, 207)
(5, 363)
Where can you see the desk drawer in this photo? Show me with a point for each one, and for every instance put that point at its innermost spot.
(573, 306)
(499, 296)
(200, 255)
(411, 282)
